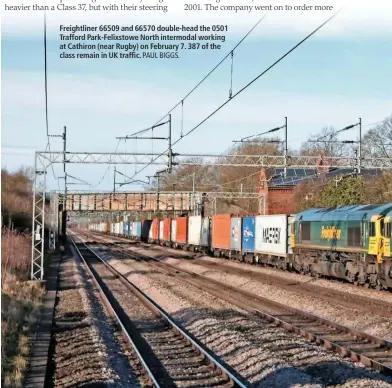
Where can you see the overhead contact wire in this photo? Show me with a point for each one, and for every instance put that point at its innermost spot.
(245, 87)
(222, 60)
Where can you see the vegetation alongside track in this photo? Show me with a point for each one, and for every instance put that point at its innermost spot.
(20, 298)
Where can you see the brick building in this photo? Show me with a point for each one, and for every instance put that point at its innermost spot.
(279, 190)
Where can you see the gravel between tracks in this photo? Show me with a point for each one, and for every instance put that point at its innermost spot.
(262, 353)
(85, 350)
(369, 323)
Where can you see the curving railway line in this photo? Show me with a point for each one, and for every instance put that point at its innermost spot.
(169, 356)
(309, 289)
(372, 351)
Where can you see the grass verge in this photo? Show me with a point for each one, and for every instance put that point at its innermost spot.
(20, 305)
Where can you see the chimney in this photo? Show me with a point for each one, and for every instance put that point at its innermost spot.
(321, 165)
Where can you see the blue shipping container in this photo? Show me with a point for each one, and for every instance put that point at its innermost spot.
(138, 228)
(248, 234)
(125, 228)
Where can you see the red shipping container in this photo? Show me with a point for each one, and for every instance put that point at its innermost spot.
(166, 229)
(155, 229)
(221, 231)
(182, 230)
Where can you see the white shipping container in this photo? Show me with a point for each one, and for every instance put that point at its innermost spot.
(173, 234)
(271, 236)
(121, 230)
(134, 228)
(194, 230)
(161, 230)
(117, 228)
(150, 232)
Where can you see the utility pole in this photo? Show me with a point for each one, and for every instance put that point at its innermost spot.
(114, 180)
(193, 193)
(286, 152)
(170, 155)
(359, 153)
(64, 215)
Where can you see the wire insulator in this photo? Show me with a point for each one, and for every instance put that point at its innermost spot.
(231, 75)
(182, 119)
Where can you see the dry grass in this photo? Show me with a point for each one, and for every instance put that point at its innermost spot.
(20, 301)
(16, 198)
(15, 255)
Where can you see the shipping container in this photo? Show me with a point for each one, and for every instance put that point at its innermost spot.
(205, 238)
(125, 228)
(137, 229)
(166, 229)
(221, 231)
(236, 233)
(173, 234)
(84, 202)
(155, 229)
(248, 234)
(146, 229)
(182, 230)
(161, 230)
(271, 235)
(194, 230)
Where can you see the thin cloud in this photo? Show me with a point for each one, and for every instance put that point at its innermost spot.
(100, 98)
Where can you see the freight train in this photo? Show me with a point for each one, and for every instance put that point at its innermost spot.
(352, 243)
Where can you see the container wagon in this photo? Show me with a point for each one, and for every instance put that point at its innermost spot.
(199, 234)
(181, 240)
(221, 232)
(146, 230)
(166, 232)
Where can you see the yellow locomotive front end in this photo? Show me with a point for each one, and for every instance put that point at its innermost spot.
(387, 235)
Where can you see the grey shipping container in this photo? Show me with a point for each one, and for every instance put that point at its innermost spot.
(205, 239)
(236, 234)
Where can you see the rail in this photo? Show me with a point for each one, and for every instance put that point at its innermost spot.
(147, 300)
(384, 347)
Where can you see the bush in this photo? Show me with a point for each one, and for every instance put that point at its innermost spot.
(15, 255)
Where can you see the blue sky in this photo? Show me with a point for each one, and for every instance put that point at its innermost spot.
(331, 80)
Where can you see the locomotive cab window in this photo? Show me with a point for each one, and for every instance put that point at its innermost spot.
(388, 230)
(354, 237)
(372, 229)
(305, 231)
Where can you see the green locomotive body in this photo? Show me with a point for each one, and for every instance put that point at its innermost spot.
(344, 242)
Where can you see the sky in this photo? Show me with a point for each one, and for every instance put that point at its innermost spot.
(340, 74)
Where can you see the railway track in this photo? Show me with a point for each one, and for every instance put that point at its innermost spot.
(347, 300)
(372, 351)
(170, 356)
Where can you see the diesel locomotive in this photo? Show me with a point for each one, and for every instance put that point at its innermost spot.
(352, 243)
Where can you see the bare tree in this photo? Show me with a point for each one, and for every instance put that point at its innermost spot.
(331, 147)
(377, 142)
